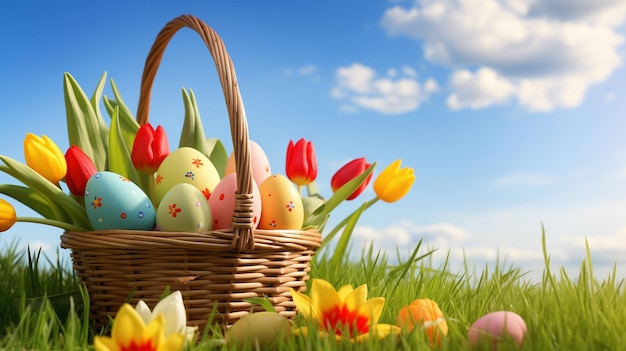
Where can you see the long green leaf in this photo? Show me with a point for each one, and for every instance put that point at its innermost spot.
(217, 154)
(344, 240)
(320, 215)
(128, 124)
(192, 134)
(66, 209)
(29, 198)
(85, 128)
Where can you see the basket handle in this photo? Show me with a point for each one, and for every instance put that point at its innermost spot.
(242, 221)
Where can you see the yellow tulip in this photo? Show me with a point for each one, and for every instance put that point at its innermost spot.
(394, 182)
(45, 157)
(7, 215)
(130, 332)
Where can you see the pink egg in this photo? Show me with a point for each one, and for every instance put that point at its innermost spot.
(222, 202)
(495, 326)
(260, 164)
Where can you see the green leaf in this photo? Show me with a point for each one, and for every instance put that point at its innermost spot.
(65, 208)
(97, 96)
(29, 198)
(320, 214)
(128, 124)
(120, 160)
(261, 301)
(218, 155)
(344, 240)
(192, 134)
(85, 128)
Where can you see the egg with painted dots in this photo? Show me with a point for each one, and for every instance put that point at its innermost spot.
(222, 202)
(281, 204)
(114, 202)
(185, 165)
(184, 209)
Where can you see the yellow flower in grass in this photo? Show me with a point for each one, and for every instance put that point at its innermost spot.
(7, 215)
(130, 333)
(344, 313)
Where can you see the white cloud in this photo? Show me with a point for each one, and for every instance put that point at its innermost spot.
(477, 90)
(545, 54)
(397, 92)
(513, 236)
(523, 179)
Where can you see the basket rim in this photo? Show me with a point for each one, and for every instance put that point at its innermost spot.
(216, 240)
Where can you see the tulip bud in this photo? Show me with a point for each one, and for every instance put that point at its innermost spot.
(7, 215)
(79, 169)
(394, 182)
(301, 167)
(45, 157)
(149, 148)
(424, 314)
(348, 172)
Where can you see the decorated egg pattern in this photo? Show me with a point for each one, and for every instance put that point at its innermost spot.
(114, 202)
(184, 208)
(222, 202)
(281, 203)
(185, 165)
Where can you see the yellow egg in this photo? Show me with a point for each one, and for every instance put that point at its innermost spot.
(184, 209)
(260, 164)
(185, 165)
(281, 204)
(260, 329)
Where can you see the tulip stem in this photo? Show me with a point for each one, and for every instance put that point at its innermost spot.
(52, 222)
(328, 237)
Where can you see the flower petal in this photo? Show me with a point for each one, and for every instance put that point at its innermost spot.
(356, 297)
(143, 311)
(173, 310)
(304, 305)
(383, 330)
(104, 343)
(127, 326)
(344, 291)
(372, 308)
(324, 297)
(172, 343)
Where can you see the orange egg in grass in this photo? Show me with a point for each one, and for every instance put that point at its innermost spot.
(493, 328)
(281, 204)
(260, 163)
(424, 314)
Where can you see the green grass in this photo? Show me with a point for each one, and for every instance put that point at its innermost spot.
(562, 312)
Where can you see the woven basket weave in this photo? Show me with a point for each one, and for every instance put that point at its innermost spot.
(215, 270)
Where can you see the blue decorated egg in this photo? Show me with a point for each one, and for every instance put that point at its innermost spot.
(114, 202)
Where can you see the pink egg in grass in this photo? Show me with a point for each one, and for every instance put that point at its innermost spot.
(222, 202)
(495, 327)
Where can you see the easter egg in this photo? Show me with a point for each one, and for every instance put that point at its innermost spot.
(260, 164)
(260, 329)
(185, 165)
(114, 202)
(494, 327)
(184, 209)
(281, 204)
(222, 202)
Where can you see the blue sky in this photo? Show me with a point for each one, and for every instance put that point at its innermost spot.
(510, 112)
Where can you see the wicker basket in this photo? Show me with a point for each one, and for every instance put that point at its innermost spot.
(215, 270)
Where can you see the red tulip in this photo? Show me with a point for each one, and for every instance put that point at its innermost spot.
(348, 172)
(149, 149)
(301, 162)
(79, 169)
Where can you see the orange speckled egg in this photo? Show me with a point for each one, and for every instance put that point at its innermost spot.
(281, 203)
(185, 165)
(260, 164)
(222, 202)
